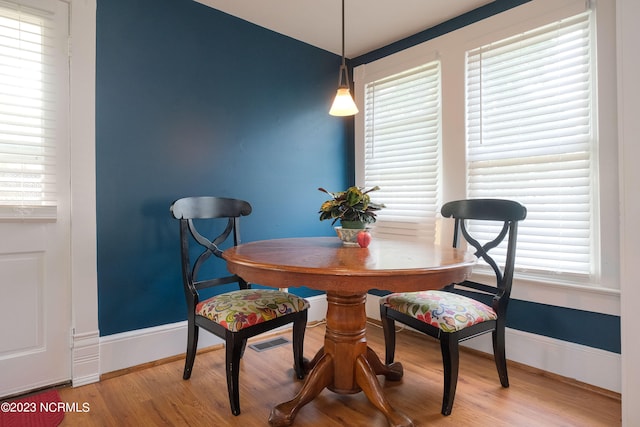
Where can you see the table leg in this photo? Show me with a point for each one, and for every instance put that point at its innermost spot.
(366, 378)
(392, 372)
(309, 365)
(320, 377)
(345, 364)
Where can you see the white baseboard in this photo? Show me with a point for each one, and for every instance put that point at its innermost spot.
(127, 349)
(585, 364)
(85, 358)
(589, 365)
(318, 309)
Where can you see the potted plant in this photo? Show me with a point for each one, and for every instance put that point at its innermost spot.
(353, 207)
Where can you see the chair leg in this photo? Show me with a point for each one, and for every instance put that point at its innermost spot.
(500, 356)
(450, 362)
(299, 328)
(234, 346)
(243, 348)
(192, 344)
(389, 329)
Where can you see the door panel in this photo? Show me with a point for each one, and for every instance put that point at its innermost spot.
(22, 282)
(35, 308)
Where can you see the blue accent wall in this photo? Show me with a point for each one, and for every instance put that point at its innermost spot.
(577, 326)
(192, 101)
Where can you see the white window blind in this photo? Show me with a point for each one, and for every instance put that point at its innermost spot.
(530, 137)
(27, 111)
(402, 149)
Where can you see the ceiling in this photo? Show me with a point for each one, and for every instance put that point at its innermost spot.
(370, 24)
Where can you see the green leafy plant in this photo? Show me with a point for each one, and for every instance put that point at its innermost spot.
(354, 204)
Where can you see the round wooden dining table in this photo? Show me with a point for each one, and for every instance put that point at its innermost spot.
(345, 364)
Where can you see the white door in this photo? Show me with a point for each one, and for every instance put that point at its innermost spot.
(35, 290)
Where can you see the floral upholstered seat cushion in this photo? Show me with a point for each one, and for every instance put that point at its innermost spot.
(247, 307)
(445, 310)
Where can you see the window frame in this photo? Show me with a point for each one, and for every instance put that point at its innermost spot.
(548, 157)
(409, 226)
(602, 294)
(55, 132)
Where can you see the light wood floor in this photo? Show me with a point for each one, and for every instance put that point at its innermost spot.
(157, 395)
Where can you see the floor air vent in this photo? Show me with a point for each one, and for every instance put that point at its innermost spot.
(272, 343)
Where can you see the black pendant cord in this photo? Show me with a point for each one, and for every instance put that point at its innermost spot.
(343, 78)
(343, 60)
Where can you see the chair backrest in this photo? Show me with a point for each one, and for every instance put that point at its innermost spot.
(191, 209)
(507, 212)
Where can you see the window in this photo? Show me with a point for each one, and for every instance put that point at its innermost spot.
(518, 118)
(530, 138)
(27, 111)
(402, 149)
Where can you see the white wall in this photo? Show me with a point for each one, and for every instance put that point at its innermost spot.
(628, 36)
(84, 281)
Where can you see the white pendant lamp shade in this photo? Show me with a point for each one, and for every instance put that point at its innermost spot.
(343, 104)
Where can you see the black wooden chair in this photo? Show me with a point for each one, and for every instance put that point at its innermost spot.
(239, 314)
(462, 310)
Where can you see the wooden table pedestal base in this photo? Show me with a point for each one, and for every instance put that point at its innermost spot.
(345, 365)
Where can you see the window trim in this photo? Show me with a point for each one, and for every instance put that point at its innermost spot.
(56, 36)
(495, 156)
(450, 49)
(405, 224)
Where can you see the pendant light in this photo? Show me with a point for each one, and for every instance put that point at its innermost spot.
(343, 104)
